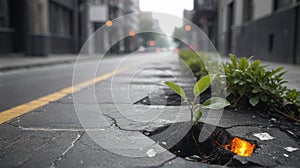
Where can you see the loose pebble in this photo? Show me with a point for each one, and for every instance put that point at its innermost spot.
(291, 149)
(151, 153)
(290, 132)
(263, 136)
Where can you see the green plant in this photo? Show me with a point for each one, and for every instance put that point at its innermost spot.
(201, 63)
(199, 88)
(247, 80)
(259, 85)
(292, 100)
(193, 61)
(254, 82)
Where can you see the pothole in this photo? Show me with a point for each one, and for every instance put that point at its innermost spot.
(219, 148)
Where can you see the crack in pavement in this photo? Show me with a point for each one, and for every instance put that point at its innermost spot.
(69, 148)
(245, 125)
(11, 124)
(167, 161)
(115, 123)
(56, 129)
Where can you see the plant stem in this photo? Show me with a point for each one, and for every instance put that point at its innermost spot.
(191, 108)
(293, 118)
(236, 101)
(196, 142)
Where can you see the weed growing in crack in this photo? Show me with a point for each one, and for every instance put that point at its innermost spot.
(199, 88)
(253, 82)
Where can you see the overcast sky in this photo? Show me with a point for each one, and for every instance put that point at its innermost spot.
(174, 7)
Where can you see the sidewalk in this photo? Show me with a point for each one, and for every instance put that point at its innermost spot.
(292, 76)
(11, 62)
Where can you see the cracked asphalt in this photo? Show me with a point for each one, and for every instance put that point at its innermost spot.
(100, 125)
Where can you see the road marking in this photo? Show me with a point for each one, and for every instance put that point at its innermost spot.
(42, 101)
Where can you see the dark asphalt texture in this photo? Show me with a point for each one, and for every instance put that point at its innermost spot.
(62, 133)
(52, 136)
(23, 85)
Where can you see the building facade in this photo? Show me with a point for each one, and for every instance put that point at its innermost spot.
(39, 27)
(203, 16)
(267, 29)
(43, 27)
(95, 13)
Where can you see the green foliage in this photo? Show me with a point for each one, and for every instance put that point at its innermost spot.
(201, 63)
(203, 84)
(292, 99)
(258, 85)
(253, 81)
(177, 89)
(194, 62)
(245, 80)
(215, 103)
(200, 87)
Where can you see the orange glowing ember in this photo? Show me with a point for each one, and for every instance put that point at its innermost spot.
(240, 147)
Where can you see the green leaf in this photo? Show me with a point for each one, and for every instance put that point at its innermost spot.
(264, 98)
(256, 90)
(254, 101)
(242, 90)
(242, 82)
(250, 58)
(233, 59)
(282, 73)
(228, 92)
(262, 72)
(263, 85)
(278, 69)
(243, 64)
(215, 103)
(203, 84)
(255, 65)
(235, 81)
(176, 88)
(197, 116)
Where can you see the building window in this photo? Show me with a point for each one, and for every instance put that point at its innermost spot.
(60, 19)
(4, 13)
(200, 2)
(278, 4)
(271, 42)
(248, 10)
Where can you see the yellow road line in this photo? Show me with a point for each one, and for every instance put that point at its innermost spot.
(32, 105)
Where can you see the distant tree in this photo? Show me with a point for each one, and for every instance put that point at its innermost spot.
(179, 33)
(146, 25)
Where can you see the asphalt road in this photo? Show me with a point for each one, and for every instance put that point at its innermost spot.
(55, 135)
(98, 125)
(21, 86)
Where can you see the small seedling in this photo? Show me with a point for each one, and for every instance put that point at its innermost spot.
(195, 107)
